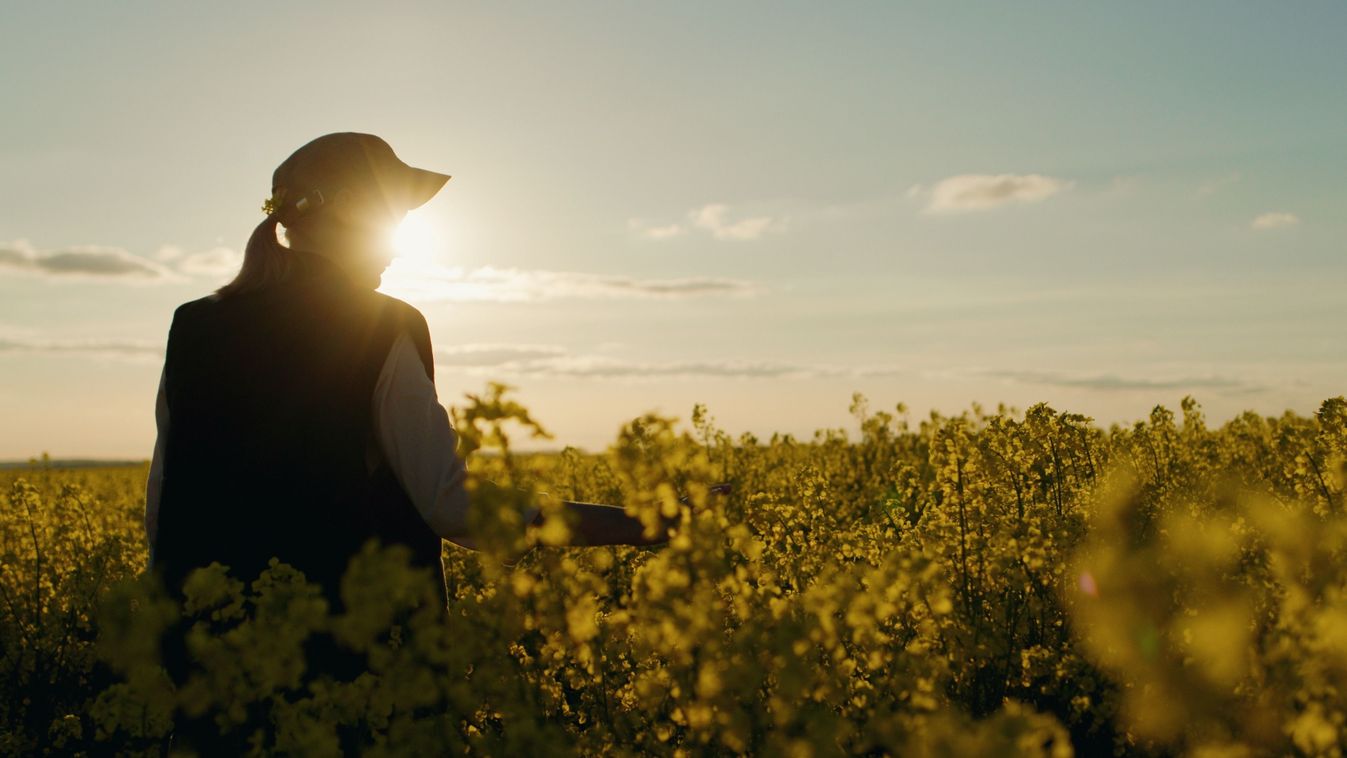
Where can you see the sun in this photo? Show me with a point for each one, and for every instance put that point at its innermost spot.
(416, 239)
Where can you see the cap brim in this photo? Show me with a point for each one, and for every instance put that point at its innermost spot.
(421, 185)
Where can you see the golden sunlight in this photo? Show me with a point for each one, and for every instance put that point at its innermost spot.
(417, 238)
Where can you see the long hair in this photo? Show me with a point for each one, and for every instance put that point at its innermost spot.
(265, 261)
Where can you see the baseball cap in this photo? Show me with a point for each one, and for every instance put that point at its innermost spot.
(362, 163)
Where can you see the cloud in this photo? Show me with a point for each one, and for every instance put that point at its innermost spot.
(556, 362)
(491, 355)
(168, 264)
(434, 283)
(604, 367)
(1112, 382)
(217, 261)
(668, 231)
(1215, 185)
(561, 364)
(714, 219)
(977, 192)
(1274, 220)
(83, 262)
(486, 360)
(129, 349)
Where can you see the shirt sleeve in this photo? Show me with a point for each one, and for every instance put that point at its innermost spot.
(419, 443)
(155, 484)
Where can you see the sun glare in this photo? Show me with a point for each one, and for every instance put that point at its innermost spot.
(416, 239)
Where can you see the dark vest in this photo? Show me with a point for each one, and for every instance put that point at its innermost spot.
(270, 448)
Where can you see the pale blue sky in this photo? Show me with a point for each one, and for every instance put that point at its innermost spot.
(1104, 207)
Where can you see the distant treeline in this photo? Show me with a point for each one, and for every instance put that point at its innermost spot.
(39, 463)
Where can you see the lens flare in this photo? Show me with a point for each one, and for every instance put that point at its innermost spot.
(1087, 584)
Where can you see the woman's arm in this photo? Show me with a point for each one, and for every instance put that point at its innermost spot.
(155, 483)
(420, 445)
(594, 524)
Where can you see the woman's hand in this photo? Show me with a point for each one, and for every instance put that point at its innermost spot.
(593, 524)
(668, 523)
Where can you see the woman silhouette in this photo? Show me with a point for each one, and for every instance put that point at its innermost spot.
(297, 412)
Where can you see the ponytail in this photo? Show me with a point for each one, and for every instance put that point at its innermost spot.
(265, 260)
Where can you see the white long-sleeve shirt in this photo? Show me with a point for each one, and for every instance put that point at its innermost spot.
(412, 429)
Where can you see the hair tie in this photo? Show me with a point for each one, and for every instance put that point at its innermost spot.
(272, 206)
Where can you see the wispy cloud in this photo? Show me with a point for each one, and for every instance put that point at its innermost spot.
(1274, 220)
(1215, 185)
(714, 219)
(1113, 382)
(138, 350)
(492, 360)
(215, 262)
(604, 367)
(642, 229)
(978, 192)
(491, 355)
(434, 283)
(84, 262)
(558, 362)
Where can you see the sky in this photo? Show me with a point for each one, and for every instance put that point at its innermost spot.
(762, 207)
